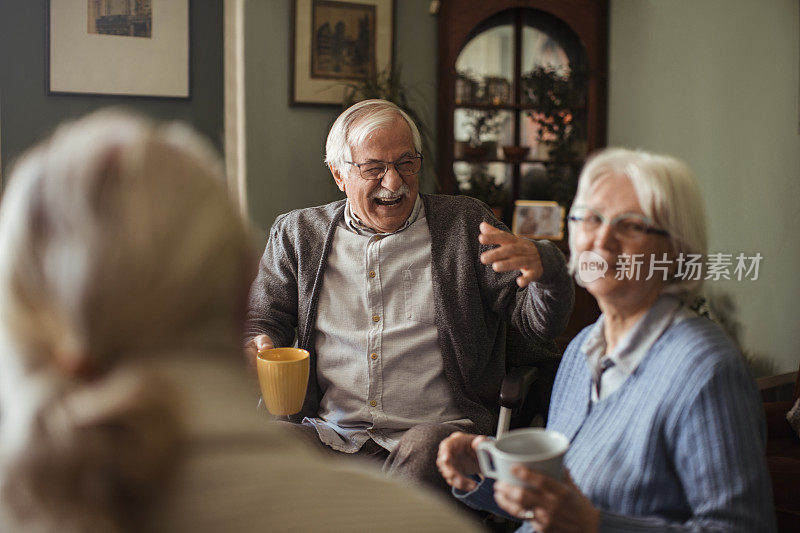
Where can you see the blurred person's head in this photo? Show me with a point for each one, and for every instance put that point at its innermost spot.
(119, 246)
(632, 203)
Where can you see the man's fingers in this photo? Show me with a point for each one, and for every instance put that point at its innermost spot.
(263, 342)
(505, 251)
(514, 263)
(491, 235)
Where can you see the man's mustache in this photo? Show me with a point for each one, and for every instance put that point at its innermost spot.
(384, 193)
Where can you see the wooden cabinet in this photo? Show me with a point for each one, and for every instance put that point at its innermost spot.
(488, 52)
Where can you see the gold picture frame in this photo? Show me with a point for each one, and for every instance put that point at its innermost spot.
(538, 220)
(336, 43)
(107, 49)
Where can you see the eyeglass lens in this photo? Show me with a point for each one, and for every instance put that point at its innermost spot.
(626, 226)
(404, 167)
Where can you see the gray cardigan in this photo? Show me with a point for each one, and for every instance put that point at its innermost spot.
(473, 304)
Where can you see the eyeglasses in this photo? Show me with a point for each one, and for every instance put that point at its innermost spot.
(626, 226)
(375, 170)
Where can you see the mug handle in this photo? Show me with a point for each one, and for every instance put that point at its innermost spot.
(485, 461)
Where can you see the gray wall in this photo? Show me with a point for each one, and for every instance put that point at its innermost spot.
(716, 83)
(286, 145)
(27, 113)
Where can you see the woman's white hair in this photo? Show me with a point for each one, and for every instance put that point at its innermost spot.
(667, 192)
(119, 244)
(356, 124)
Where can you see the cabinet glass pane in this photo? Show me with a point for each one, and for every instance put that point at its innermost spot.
(529, 136)
(539, 49)
(485, 181)
(494, 127)
(533, 183)
(486, 67)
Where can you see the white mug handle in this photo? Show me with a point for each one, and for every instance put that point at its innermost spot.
(485, 458)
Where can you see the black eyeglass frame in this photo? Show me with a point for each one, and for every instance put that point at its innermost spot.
(386, 167)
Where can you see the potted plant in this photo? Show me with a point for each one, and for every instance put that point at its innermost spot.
(557, 101)
(484, 126)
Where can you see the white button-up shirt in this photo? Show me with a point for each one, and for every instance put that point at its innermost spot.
(379, 366)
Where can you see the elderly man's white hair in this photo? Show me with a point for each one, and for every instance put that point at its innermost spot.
(667, 192)
(357, 122)
(119, 245)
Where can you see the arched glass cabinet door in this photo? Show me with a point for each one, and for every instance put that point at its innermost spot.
(518, 117)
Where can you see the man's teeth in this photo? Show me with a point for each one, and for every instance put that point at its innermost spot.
(388, 201)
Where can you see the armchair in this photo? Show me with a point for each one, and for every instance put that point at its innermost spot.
(783, 462)
(525, 391)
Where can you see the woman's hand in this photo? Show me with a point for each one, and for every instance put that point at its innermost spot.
(556, 506)
(457, 460)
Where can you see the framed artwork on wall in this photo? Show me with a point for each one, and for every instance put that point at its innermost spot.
(118, 47)
(538, 220)
(335, 43)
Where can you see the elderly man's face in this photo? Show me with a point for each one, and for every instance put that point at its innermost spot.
(383, 204)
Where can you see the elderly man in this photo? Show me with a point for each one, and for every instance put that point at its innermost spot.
(403, 300)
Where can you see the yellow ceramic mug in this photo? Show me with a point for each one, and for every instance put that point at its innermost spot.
(283, 376)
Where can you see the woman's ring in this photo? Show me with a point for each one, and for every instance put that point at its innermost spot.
(527, 515)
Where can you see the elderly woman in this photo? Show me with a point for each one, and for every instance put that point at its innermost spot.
(123, 282)
(665, 424)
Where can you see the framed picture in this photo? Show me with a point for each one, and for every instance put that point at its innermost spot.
(538, 220)
(118, 47)
(335, 43)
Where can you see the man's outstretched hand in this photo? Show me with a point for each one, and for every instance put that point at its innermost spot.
(512, 253)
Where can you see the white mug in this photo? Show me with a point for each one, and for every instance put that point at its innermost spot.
(537, 448)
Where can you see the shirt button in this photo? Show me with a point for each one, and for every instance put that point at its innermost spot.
(375, 318)
(372, 273)
(373, 356)
(373, 403)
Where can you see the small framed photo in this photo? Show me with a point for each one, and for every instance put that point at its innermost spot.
(336, 43)
(538, 220)
(125, 47)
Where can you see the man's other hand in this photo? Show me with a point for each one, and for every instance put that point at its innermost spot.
(256, 344)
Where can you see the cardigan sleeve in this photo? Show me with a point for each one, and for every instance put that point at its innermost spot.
(272, 308)
(543, 309)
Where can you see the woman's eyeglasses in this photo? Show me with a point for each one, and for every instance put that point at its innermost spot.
(626, 226)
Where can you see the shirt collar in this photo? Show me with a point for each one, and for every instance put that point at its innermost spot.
(634, 345)
(354, 224)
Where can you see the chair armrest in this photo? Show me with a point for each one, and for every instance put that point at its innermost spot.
(516, 385)
(777, 425)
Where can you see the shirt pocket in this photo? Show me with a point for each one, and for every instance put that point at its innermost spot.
(418, 292)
